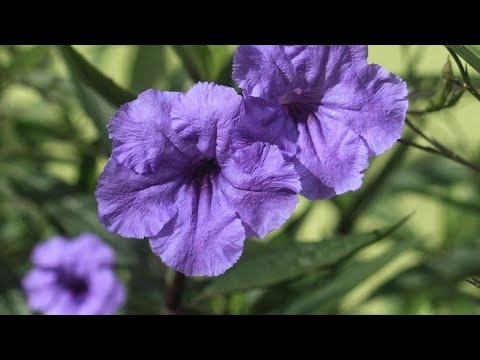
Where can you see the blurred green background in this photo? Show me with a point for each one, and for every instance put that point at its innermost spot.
(53, 146)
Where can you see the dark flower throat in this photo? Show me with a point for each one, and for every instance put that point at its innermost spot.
(207, 166)
(73, 284)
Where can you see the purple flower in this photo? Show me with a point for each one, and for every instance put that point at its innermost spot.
(323, 105)
(175, 178)
(73, 277)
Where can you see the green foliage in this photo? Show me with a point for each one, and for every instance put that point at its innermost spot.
(289, 261)
(55, 103)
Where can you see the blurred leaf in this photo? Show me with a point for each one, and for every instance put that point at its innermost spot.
(207, 62)
(99, 110)
(87, 74)
(469, 53)
(276, 298)
(353, 274)
(150, 65)
(196, 59)
(26, 60)
(442, 270)
(447, 199)
(98, 94)
(371, 191)
(289, 231)
(272, 266)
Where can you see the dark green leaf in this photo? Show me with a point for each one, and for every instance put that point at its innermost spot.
(150, 65)
(469, 53)
(341, 284)
(196, 59)
(86, 73)
(272, 266)
(99, 110)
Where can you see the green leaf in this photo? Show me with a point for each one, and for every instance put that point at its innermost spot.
(465, 205)
(270, 266)
(195, 59)
(99, 110)
(26, 60)
(469, 53)
(207, 62)
(150, 64)
(341, 284)
(87, 74)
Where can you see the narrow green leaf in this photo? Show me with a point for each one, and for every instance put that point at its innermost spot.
(83, 71)
(469, 53)
(99, 110)
(196, 59)
(150, 64)
(26, 60)
(264, 268)
(346, 280)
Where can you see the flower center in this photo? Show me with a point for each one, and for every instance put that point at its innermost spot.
(76, 285)
(298, 106)
(299, 111)
(207, 166)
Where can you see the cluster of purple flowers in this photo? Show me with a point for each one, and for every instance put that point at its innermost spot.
(200, 171)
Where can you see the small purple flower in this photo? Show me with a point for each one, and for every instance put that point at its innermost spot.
(73, 277)
(175, 178)
(323, 105)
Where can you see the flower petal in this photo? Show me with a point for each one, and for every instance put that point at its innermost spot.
(141, 131)
(205, 237)
(370, 101)
(205, 116)
(38, 278)
(262, 122)
(261, 186)
(318, 64)
(63, 304)
(333, 153)
(86, 253)
(264, 71)
(105, 294)
(50, 253)
(135, 205)
(312, 186)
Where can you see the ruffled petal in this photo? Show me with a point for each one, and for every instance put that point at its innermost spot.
(205, 237)
(264, 71)
(312, 186)
(261, 186)
(141, 131)
(333, 153)
(370, 101)
(135, 205)
(205, 117)
(262, 122)
(318, 64)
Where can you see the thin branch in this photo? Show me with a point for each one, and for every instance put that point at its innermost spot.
(447, 154)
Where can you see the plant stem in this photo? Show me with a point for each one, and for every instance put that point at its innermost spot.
(174, 294)
(439, 149)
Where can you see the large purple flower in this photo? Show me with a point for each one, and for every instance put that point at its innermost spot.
(73, 277)
(324, 105)
(174, 178)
